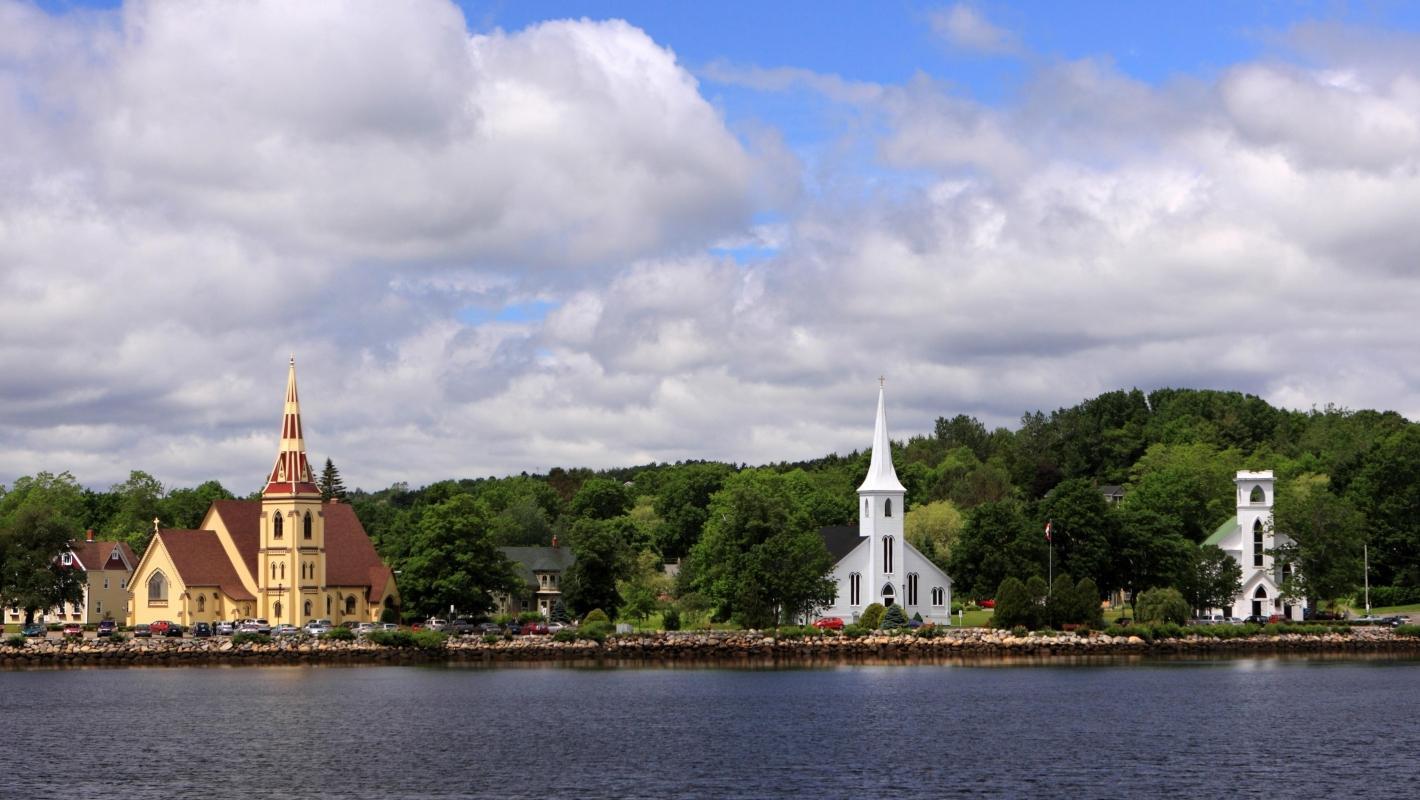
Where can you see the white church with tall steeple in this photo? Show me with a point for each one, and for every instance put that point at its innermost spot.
(874, 562)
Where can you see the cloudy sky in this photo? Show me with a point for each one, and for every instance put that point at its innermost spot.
(506, 236)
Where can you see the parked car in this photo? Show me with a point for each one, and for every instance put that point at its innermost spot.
(1398, 620)
(174, 631)
(225, 629)
(386, 626)
(460, 627)
(1254, 619)
(317, 626)
(201, 630)
(554, 627)
(37, 629)
(73, 629)
(257, 625)
(534, 629)
(988, 603)
(435, 624)
(107, 627)
(285, 630)
(829, 623)
(1207, 619)
(362, 628)
(142, 631)
(159, 628)
(490, 629)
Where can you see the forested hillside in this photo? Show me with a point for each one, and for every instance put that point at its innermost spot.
(978, 500)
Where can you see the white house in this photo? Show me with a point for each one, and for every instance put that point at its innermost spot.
(1247, 537)
(874, 562)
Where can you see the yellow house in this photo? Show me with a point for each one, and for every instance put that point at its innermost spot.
(288, 557)
(107, 566)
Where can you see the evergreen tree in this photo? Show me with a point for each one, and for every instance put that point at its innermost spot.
(331, 486)
(894, 618)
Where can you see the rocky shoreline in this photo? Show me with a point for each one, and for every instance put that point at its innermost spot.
(700, 648)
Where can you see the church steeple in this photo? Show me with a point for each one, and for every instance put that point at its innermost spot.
(881, 475)
(291, 474)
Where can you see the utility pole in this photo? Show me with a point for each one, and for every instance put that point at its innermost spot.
(1366, 566)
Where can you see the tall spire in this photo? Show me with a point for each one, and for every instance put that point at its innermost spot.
(292, 472)
(881, 475)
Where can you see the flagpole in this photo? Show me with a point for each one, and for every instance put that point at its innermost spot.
(1050, 561)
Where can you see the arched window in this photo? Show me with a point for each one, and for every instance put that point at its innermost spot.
(1257, 543)
(327, 605)
(939, 597)
(912, 588)
(201, 602)
(1261, 593)
(855, 589)
(1258, 497)
(307, 608)
(283, 572)
(306, 525)
(350, 605)
(889, 596)
(887, 507)
(887, 554)
(273, 570)
(276, 525)
(867, 508)
(276, 609)
(158, 588)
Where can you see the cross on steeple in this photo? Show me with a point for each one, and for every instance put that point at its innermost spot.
(881, 381)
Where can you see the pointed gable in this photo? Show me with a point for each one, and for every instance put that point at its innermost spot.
(242, 519)
(200, 560)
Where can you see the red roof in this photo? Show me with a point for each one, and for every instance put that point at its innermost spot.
(97, 555)
(350, 557)
(201, 560)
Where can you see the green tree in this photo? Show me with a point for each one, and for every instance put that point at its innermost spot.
(523, 522)
(1323, 560)
(1082, 530)
(1014, 605)
(453, 561)
(1150, 551)
(1215, 580)
(893, 618)
(331, 486)
(185, 508)
(1087, 594)
(995, 542)
(1062, 603)
(601, 499)
(933, 529)
(683, 503)
(1164, 604)
(139, 503)
(60, 494)
(1383, 483)
(1192, 483)
(642, 589)
(32, 578)
(761, 557)
(963, 431)
(603, 558)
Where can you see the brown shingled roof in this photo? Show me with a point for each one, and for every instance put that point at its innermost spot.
(201, 560)
(95, 555)
(350, 557)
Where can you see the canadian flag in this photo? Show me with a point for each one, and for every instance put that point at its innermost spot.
(1047, 530)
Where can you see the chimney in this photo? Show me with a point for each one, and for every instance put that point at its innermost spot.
(554, 541)
(89, 536)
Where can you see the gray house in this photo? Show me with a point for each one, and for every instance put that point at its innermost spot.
(541, 570)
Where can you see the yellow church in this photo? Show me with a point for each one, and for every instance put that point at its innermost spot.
(288, 557)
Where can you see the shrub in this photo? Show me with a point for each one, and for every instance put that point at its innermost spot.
(1164, 604)
(117, 638)
(670, 620)
(1014, 605)
(930, 631)
(872, 616)
(339, 635)
(400, 638)
(917, 617)
(1395, 595)
(389, 615)
(596, 615)
(1407, 630)
(1020, 631)
(15, 640)
(564, 635)
(491, 638)
(596, 630)
(429, 640)
(1119, 630)
(247, 637)
(529, 616)
(893, 618)
(856, 631)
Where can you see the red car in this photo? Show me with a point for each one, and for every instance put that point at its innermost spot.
(829, 623)
(159, 628)
(535, 628)
(73, 629)
(988, 603)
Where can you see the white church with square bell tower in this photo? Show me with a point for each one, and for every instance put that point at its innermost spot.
(874, 563)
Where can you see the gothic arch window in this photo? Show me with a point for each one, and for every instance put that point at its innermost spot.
(276, 525)
(887, 507)
(912, 588)
(1257, 543)
(306, 533)
(1258, 497)
(889, 596)
(887, 554)
(201, 602)
(938, 596)
(350, 605)
(307, 608)
(273, 570)
(283, 572)
(158, 588)
(855, 589)
(327, 605)
(1261, 593)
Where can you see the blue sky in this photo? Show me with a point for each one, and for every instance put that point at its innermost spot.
(510, 236)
